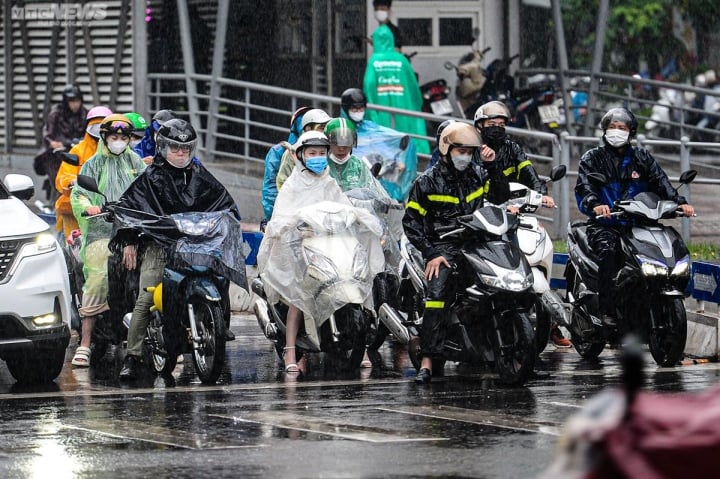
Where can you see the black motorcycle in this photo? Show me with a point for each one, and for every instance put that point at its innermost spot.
(650, 286)
(191, 304)
(489, 316)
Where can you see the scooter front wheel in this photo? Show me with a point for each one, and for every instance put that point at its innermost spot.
(210, 355)
(515, 349)
(669, 332)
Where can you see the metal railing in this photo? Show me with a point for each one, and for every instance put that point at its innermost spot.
(246, 119)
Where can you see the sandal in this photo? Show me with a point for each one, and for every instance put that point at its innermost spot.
(366, 362)
(292, 367)
(82, 357)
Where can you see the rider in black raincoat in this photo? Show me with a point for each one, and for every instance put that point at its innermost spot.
(173, 183)
(455, 186)
(628, 171)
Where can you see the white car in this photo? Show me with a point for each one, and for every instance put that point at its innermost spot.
(34, 288)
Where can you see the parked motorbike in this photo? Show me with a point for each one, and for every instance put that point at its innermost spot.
(489, 317)
(650, 286)
(471, 76)
(331, 255)
(191, 303)
(537, 247)
(625, 432)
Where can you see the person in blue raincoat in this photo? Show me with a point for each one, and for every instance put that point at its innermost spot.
(273, 160)
(146, 148)
(390, 81)
(391, 153)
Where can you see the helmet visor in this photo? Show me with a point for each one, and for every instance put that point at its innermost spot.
(166, 146)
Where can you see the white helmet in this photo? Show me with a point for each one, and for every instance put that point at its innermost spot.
(313, 116)
(310, 138)
(490, 110)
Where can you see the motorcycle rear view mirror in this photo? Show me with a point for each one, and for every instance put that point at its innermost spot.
(688, 176)
(89, 183)
(558, 172)
(70, 158)
(450, 65)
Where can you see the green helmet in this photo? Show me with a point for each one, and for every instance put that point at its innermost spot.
(139, 123)
(341, 132)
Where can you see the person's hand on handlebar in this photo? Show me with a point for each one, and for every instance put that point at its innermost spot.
(93, 210)
(601, 210)
(687, 210)
(130, 257)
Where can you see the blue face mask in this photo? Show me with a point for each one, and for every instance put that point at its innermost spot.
(316, 164)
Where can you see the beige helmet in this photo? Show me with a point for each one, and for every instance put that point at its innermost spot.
(458, 134)
(490, 110)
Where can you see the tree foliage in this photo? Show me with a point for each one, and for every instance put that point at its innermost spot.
(637, 31)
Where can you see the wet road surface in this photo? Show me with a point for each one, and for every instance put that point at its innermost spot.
(260, 423)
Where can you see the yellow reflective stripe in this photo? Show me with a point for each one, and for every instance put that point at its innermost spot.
(476, 194)
(509, 171)
(416, 206)
(434, 304)
(523, 165)
(444, 199)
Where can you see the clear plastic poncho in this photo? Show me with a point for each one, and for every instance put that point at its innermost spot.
(319, 252)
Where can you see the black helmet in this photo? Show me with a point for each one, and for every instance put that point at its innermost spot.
(440, 129)
(619, 114)
(71, 92)
(176, 133)
(161, 117)
(352, 97)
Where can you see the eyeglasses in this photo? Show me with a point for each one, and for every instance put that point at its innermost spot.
(175, 147)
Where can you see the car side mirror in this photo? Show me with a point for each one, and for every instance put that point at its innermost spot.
(20, 186)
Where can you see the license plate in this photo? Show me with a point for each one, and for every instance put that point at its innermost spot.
(549, 113)
(441, 107)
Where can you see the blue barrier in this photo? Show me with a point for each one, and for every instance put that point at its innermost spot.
(557, 275)
(704, 280)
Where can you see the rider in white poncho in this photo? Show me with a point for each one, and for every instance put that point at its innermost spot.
(311, 203)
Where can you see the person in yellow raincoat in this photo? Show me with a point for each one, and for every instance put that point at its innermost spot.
(66, 175)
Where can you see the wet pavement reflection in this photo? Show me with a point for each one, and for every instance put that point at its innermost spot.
(259, 422)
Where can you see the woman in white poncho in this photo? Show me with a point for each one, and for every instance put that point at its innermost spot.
(308, 184)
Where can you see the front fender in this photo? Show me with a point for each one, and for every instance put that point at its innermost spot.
(203, 288)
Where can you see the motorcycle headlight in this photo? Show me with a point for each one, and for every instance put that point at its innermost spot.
(651, 267)
(192, 226)
(44, 243)
(510, 281)
(682, 267)
(319, 266)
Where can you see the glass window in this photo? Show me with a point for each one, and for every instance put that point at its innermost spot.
(416, 31)
(455, 31)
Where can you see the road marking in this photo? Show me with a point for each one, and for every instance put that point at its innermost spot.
(138, 431)
(563, 404)
(326, 427)
(483, 418)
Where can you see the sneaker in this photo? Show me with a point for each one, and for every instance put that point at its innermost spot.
(558, 339)
(131, 368)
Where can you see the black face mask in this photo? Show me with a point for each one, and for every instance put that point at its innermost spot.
(493, 135)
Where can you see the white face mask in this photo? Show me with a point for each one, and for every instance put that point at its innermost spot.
(616, 137)
(461, 162)
(357, 116)
(339, 161)
(118, 146)
(381, 15)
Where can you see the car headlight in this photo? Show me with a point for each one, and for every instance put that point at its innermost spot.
(682, 267)
(319, 266)
(510, 281)
(651, 267)
(44, 243)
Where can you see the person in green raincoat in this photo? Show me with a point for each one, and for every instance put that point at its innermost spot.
(347, 169)
(114, 167)
(390, 81)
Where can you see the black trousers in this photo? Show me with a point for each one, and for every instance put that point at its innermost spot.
(435, 319)
(605, 243)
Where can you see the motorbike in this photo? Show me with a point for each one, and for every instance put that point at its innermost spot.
(650, 286)
(191, 304)
(537, 247)
(386, 283)
(625, 432)
(489, 316)
(330, 253)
